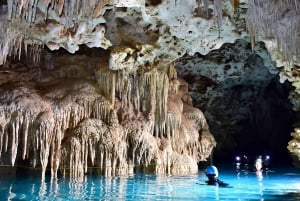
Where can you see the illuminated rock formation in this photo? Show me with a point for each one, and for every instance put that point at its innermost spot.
(294, 144)
(277, 24)
(74, 113)
(79, 114)
(170, 27)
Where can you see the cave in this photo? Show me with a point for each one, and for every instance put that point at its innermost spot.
(132, 99)
(121, 87)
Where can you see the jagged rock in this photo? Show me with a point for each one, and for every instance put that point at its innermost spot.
(70, 118)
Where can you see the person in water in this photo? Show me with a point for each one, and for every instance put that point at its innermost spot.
(212, 174)
(258, 163)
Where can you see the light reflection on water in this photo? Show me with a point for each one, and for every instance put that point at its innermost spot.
(274, 185)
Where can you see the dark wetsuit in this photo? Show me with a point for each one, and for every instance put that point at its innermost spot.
(215, 182)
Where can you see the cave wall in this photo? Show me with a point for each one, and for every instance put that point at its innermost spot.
(74, 113)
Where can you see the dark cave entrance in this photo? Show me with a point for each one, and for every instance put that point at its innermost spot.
(246, 107)
(266, 131)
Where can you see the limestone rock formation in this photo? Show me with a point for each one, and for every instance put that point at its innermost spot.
(277, 24)
(294, 145)
(164, 29)
(124, 111)
(80, 114)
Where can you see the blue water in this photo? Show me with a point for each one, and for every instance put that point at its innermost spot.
(283, 185)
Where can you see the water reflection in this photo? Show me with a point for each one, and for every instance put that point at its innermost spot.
(53, 188)
(252, 186)
(242, 165)
(217, 193)
(259, 176)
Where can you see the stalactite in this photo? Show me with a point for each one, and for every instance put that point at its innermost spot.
(100, 110)
(218, 9)
(106, 83)
(75, 164)
(115, 122)
(235, 4)
(98, 10)
(10, 42)
(278, 21)
(207, 143)
(25, 128)
(55, 151)
(48, 61)
(173, 80)
(9, 9)
(2, 129)
(162, 88)
(35, 54)
(59, 7)
(24, 8)
(145, 147)
(14, 131)
(22, 16)
(44, 129)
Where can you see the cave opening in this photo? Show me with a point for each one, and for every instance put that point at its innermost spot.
(248, 110)
(265, 131)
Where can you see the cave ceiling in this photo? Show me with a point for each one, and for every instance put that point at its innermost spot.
(157, 30)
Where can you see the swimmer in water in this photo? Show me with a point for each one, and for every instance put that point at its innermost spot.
(258, 163)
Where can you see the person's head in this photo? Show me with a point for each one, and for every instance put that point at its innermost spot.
(211, 172)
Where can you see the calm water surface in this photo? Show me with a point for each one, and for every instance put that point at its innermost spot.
(278, 184)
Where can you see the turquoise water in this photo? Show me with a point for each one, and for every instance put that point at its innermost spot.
(283, 185)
